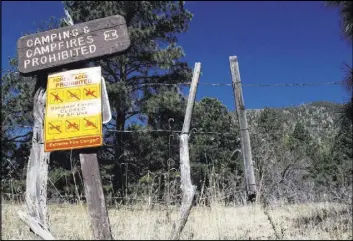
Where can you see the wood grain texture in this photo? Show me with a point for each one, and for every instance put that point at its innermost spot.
(188, 190)
(35, 226)
(94, 195)
(99, 32)
(244, 129)
(37, 170)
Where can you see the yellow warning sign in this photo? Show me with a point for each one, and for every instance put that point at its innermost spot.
(74, 110)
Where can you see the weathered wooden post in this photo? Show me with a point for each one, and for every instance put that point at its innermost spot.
(37, 169)
(74, 119)
(187, 188)
(244, 130)
(94, 195)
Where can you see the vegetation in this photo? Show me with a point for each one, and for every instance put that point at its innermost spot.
(321, 221)
(346, 11)
(305, 147)
(301, 154)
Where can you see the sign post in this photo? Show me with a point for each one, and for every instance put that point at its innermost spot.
(73, 112)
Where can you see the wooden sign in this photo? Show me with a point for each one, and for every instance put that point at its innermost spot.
(59, 47)
(73, 117)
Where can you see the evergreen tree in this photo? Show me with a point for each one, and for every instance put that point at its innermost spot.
(16, 115)
(270, 124)
(214, 156)
(300, 137)
(333, 167)
(346, 9)
(342, 153)
(266, 137)
(154, 57)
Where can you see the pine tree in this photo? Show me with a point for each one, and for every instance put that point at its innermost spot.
(153, 56)
(270, 125)
(16, 114)
(342, 152)
(213, 156)
(300, 135)
(346, 9)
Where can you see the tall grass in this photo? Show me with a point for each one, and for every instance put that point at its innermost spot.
(297, 221)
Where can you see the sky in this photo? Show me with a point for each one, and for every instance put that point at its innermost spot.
(275, 42)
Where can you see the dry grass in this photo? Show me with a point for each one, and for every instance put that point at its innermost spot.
(313, 221)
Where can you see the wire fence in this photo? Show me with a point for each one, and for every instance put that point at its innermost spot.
(229, 84)
(70, 198)
(193, 131)
(251, 85)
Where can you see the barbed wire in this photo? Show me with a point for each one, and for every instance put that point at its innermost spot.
(147, 131)
(174, 131)
(251, 85)
(143, 130)
(296, 84)
(243, 84)
(188, 83)
(21, 126)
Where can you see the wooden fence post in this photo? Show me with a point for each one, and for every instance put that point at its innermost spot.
(244, 130)
(187, 188)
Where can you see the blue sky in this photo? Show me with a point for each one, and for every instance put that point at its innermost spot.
(276, 42)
